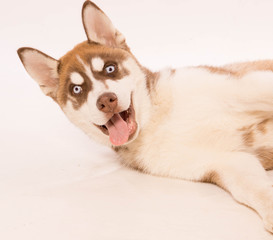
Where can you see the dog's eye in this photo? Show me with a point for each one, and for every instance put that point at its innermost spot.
(77, 90)
(110, 69)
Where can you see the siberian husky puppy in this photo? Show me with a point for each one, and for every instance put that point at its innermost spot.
(210, 124)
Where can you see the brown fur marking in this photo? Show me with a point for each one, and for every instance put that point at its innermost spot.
(119, 148)
(246, 67)
(262, 126)
(265, 156)
(120, 72)
(218, 70)
(248, 138)
(240, 69)
(212, 177)
(252, 133)
(79, 100)
(151, 80)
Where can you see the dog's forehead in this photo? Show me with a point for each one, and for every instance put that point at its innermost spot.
(94, 55)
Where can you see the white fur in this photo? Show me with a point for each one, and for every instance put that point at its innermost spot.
(97, 64)
(76, 78)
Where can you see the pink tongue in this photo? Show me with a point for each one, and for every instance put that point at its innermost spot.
(118, 130)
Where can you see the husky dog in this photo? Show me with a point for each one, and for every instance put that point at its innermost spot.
(210, 124)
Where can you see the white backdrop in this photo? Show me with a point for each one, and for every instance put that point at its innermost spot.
(55, 183)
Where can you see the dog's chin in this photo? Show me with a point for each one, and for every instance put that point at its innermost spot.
(128, 119)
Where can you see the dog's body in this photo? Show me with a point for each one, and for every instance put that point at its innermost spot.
(198, 123)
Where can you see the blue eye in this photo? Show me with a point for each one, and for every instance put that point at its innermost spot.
(77, 89)
(110, 69)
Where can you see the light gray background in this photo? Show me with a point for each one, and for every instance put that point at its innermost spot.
(55, 183)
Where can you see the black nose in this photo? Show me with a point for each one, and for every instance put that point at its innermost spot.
(107, 102)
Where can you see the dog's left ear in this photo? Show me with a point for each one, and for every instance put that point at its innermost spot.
(42, 68)
(99, 28)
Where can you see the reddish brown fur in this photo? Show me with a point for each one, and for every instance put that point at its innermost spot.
(243, 68)
(240, 69)
(213, 177)
(248, 135)
(265, 156)
(252, 136)
(262, 126)
(218, 70)
(70, 63)
(151, 80)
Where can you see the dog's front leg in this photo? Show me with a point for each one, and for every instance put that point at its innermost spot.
(242, 175)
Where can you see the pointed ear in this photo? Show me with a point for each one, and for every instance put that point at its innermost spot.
(99, 28)
(42, 68)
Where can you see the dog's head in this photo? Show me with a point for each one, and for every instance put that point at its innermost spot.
(99, 84)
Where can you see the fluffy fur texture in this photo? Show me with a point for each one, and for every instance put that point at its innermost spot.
(211, 124)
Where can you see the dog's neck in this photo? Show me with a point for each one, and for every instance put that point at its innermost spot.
(154, 106)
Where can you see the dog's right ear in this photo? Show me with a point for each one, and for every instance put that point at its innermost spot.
(42, 68)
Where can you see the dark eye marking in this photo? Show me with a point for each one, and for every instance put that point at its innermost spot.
(110, 69)
(77, 93)
(76, 90)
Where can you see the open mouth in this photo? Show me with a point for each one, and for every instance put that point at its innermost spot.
(120, 127)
